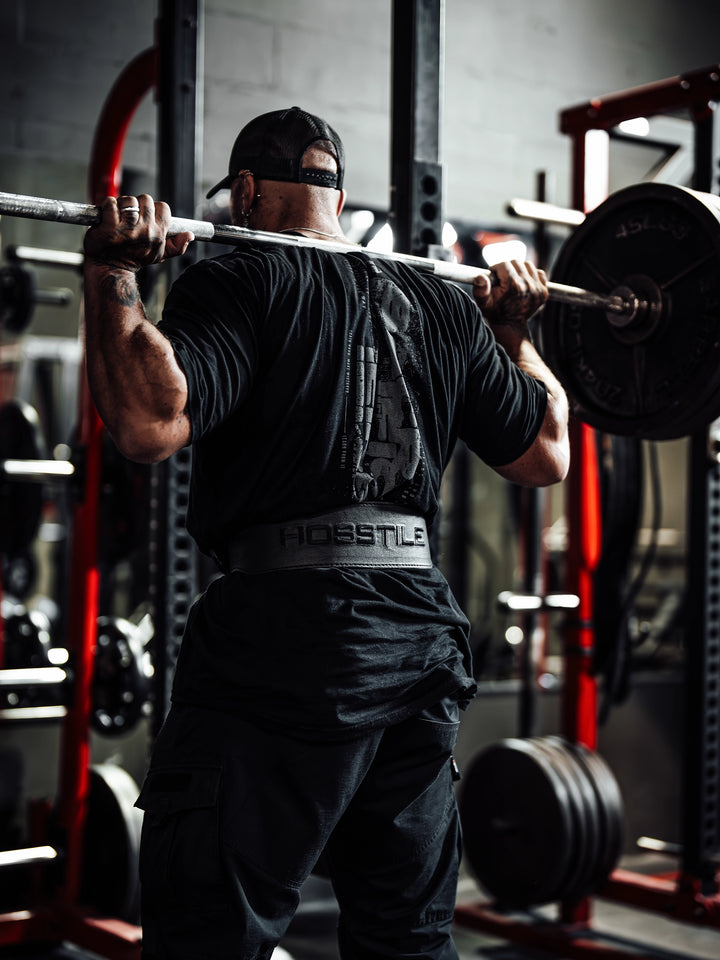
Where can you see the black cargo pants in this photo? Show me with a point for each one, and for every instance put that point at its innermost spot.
(236, 818)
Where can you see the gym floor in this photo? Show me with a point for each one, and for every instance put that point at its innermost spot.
(617, 932)
(631, 932)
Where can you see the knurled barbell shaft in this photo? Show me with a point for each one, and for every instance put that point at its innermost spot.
(85, 214)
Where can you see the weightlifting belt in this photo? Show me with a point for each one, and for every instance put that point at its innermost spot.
(363, 535)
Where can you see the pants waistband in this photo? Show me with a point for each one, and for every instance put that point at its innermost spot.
(362, 535)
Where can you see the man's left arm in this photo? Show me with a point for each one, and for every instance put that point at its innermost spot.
(507, 305)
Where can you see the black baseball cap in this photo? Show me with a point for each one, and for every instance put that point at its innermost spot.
(272, 147)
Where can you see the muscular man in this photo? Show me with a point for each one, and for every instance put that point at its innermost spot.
(317, 693)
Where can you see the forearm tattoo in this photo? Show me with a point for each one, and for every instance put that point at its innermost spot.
(121, 288)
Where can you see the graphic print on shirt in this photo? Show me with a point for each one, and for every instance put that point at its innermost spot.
(385, 444)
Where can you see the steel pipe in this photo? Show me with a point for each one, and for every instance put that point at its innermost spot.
(32, 677)
(38, 471)
(43, 257)
(27, 855)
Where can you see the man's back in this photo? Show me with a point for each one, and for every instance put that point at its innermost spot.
(320, 380)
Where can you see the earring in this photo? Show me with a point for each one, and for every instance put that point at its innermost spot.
(245, 217)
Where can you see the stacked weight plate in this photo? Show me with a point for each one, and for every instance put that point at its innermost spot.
(542, 821)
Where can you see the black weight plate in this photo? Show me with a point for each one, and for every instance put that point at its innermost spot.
(111, 847)
(517, 824)
(26, 639)
(18, 573)
(17, 297)
(122, 677)
(611, 820)
(593, 818)
(20, 502)
(586, 843)
(667, 384)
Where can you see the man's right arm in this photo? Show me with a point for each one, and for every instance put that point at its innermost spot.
(138, 387)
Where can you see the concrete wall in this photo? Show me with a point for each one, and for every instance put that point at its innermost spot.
(511, 65)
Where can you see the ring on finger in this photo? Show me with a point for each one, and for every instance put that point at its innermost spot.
(133, 212)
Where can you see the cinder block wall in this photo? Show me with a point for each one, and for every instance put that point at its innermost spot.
(509, 69)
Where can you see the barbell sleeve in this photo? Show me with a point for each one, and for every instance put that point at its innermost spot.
(56, 297)
(38, 471)
(43, 257)
(85, 214)
(514, 602)
(32, 676)
(541, 212)
(27, 855)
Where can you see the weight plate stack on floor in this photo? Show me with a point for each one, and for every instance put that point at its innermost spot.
(517, 822)
(110, 881)
(584, 810)
(542, 821)
(610, 809)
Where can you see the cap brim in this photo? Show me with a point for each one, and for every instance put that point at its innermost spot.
(224, 184)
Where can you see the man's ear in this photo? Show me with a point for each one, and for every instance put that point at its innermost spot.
(243, 191)
(341, 201)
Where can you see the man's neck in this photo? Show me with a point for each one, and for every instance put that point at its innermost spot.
(312, 231)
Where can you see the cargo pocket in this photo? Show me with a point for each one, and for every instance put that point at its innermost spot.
(180, 862)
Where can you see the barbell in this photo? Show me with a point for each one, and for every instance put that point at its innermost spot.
(638, 354)
(19, 294)
(82, 214)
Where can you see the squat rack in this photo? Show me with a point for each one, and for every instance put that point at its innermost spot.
(691, 895)
(59, 917)
(695, 894)
(170, 67)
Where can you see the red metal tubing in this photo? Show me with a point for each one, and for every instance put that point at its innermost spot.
(131, 87)
(679, 898)
(579, 701)
(574, 940)
(691, 91)
(20, 926)
(135, 81)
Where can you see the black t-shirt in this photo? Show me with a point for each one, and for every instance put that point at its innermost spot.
(316, 380)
